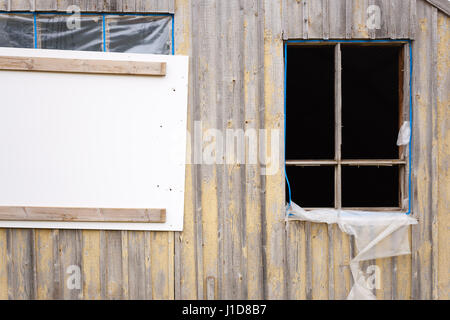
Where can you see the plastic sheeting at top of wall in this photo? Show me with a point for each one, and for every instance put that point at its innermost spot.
(134, 34)
(377, 235)
(16, 30)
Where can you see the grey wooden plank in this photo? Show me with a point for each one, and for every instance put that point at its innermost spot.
(136, 265)
(69, 249)
(20, 260)
(337, 19)
(315, 19)
(252, 95)
(422, 156)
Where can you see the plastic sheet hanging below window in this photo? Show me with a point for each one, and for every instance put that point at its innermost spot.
(17, 30)
(377, 235)
(66, 32)
(139, 34)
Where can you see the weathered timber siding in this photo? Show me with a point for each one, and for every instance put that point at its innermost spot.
(235, 243)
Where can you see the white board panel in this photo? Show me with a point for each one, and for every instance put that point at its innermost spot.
(92, 140)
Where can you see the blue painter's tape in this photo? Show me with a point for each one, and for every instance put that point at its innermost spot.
(35, 30)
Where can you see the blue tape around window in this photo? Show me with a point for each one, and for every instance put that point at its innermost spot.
(410, 100)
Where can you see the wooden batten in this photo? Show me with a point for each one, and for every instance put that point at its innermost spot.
(82, 214)
(82, 66)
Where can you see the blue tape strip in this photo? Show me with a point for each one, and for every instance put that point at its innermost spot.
(173, 34)
(410, 126)
(35, 30)
(104, 32)
(410, 99)
(285, 115)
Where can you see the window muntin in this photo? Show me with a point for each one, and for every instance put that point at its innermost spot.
(375, 178)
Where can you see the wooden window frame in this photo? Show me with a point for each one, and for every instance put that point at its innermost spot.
(405, 103)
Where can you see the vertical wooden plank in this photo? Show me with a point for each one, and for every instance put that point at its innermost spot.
(325, 19)
(385, 266)
(412, 19)
(125, 263)
(4, 5)
(46, 5)
(422, 156)
(148, 265)
(155, 5)
(20, 245)
(348, 19)
(230, 116)
(135, 264)
(292, 19)
(44, 264)
(315, 19)
(111, 264)
(274, 183)
(434, 178)
(337, 19)
(305, 19)
(162, 265)
(70, 255)
(442, 265)
(403, 273)
(207, 181)
(112, 6)
(185, 251)
(360, 30)
(342, 257)
(21, 5)
(296, 260)
(3, 265)
(319, 259)
(402, 16)
(129, 5)
(62, 5)
(90, 265)
(253, 82)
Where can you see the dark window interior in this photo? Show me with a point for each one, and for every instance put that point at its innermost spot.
(310, 103)
(313, 186)
(370, 102)
(370, 123)
(370, 186)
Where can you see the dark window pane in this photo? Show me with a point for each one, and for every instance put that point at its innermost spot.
(58, 32)
(16, 30)
(310, 103)
(370, 102)
(150, 34)
(311, 186)
(370, 186)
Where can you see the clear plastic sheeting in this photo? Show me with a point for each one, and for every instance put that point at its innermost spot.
(60, 32)
(88, 32)
(404, 134)
(139, 34)
(377, 235)
(17, 30)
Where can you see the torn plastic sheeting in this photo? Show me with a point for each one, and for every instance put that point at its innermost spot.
(377, 235)
(404, 134)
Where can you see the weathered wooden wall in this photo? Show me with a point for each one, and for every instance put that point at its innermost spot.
(235, 243)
